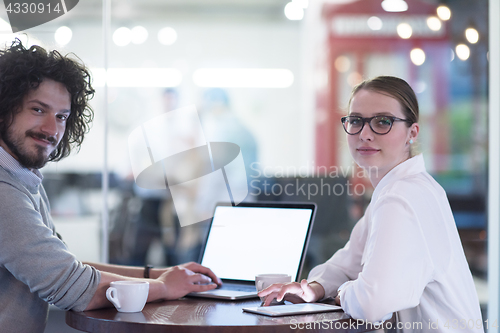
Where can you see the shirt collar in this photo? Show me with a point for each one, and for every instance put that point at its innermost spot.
(410, 167)
(30, 179)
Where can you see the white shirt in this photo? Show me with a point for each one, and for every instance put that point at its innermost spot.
(405, 255)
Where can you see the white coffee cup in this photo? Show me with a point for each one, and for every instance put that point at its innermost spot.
(262, 281)
(128, 296)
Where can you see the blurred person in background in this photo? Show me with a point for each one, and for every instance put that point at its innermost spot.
(221, 124)
(156, 219)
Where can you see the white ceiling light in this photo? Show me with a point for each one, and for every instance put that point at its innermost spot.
(417, 56)
(63, 35)
(167, 36)
(137, 77)
(394, 6)
(444, 12)
(243, 77)
(301, 3)
(404, 30)
(434, 23)
(139, 35)
(294, 12)
(463, 52)
(374, 23)
(122, 36)
(4, 26)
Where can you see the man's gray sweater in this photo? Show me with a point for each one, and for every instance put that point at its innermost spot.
(36, 267)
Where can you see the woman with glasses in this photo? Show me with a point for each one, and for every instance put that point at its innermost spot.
(404, 255)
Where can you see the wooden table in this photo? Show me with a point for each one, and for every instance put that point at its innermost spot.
(203, 315)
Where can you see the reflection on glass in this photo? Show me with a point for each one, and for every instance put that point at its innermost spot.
(394, 5)
(122, 36)
(404, 30)
(463, 52)
(139, 34)
(444, 12)
(374, 23)
(293, 11)
(63, 35)
(434, 23)
(472, 35)
(417, 56)
(167, 36)
(342, 64)
(243, 77)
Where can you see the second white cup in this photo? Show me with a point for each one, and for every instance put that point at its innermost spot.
(128, 296)
(262, 281)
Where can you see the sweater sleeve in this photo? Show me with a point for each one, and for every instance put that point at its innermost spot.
(34, 255)
(397, 266)
(344, 265)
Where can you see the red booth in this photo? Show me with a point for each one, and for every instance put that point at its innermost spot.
(364, 40)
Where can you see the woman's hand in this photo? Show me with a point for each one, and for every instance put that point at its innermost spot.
(293, 292)
(179, 281)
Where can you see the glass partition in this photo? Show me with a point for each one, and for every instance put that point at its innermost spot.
(248, 74)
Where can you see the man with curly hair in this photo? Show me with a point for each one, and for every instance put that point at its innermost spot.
(44, 114)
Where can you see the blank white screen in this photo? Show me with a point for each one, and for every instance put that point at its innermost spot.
(246, 241)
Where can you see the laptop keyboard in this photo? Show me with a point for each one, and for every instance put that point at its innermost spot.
(237, 287)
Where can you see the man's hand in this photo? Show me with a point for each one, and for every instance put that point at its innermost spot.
(164, 284)
(197, 268)
(293, 292)
(179, 281)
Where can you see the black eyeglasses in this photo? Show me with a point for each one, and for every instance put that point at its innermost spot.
(379, 124)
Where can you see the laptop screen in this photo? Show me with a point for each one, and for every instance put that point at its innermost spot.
(245, 241)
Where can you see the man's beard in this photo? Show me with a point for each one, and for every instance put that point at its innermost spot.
(26, 157)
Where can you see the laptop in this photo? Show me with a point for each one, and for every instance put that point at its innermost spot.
(255, 238)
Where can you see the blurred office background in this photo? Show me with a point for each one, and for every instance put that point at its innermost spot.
(274, 77)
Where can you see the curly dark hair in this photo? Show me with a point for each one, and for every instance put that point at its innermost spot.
(22, 70)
